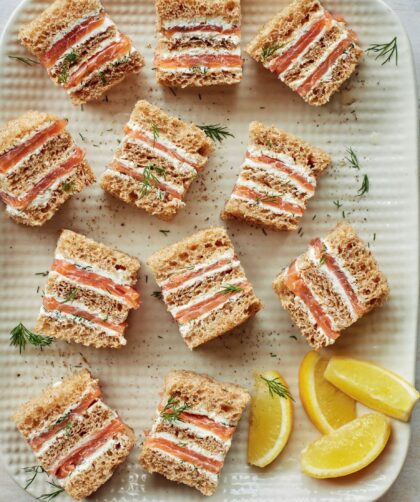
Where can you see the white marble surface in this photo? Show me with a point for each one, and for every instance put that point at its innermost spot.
(407, 486)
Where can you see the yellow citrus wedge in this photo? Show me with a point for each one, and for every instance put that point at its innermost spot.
(271, 418)
(348, 449)
(374, 386)
(327, 407)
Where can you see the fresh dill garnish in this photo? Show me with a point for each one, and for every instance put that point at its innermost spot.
(155, 131)
(64, 74)
(68, 187)
(269, 50)
(157, 294)
(364, 187)
(266, 198)
(25, 60)
(68, 428)
(72, 295)
(386, 51)
(50, 496)
(199, 69)
(164, 232)
(102, 77)
(62, 419)
(83, 138)
(229, 288)
(337, 204)
(352, 158)
(150, 178)
(173, 410)
(293, 336)
(71, 57)
(323, 256)
(20, 336)
(216, 132)
(34, 470)
(276, 387)
(42, 274)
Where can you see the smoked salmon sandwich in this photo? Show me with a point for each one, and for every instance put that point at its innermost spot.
(81, 48)
(308, 49)
(40, 167)
(204, 286)
(89, 293)
(278, 177)
(156, 162)
(198, 42)
(328, 288)
(76, 438)
(192, 433)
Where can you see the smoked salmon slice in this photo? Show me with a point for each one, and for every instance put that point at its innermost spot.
(121, 168)
(87, 278)
(268, 200)
(13, 156)
(52, 304)
(190, 313)
(158, 146)
(37, 442)
(311, 81)
(113, 51)
(294, 282)
(185, 454)
(71, 38)
(208, 60)
(41, 186)
(333, 266)
(202, 27)
(69, 463)
(224, 432)
(283, 61)
(278, 164)
(179, 279)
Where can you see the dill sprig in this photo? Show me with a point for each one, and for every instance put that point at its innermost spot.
(269, 50)
(216, 132)
(266, 198)
(34, 470)
(337, 204)
(199, 69)
(68, 187)
(387, 51)
(364, 187)
(229, 288)
(25, 60)
(157, 294)
(164, 232)
(64, 74)
(42, 274)
(173, 410)
(72, 295)
(20, 336)
(102, 77)
(155, 131)
(276, 387)
(150, 178)
(323, 256)
(50, 496)
(352, 158)
(71, 57)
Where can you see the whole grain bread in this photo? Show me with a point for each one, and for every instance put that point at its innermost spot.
(229, 10)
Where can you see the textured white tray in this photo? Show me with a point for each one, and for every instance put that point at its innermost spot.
(376, 115)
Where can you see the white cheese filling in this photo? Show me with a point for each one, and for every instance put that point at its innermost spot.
(181, 22)
(268, 192)
(199, 51)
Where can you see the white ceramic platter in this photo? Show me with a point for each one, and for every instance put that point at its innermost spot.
(375, 114)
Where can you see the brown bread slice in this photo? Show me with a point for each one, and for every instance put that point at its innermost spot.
(199, 394)
(45, 412)
(164, 130)
(282, 32)
(238, 302)
(40, 34)
(272, 185)
(355, 261)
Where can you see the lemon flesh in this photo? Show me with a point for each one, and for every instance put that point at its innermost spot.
(327, 407)
(348, 449)
(270, 420)
(374, 386)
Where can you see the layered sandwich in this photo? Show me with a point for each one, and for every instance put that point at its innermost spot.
(309, 50)
(89, 293)
(204, 286)
(156, 162)
(198, 42)
(40, 167)
(192, 433)
(74, 435)
(328, 288)
(81, 48)
(276, 180)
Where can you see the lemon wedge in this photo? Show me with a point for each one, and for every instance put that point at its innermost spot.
(348, 449)
(327, 407)
(270, 420)
(374, 386)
